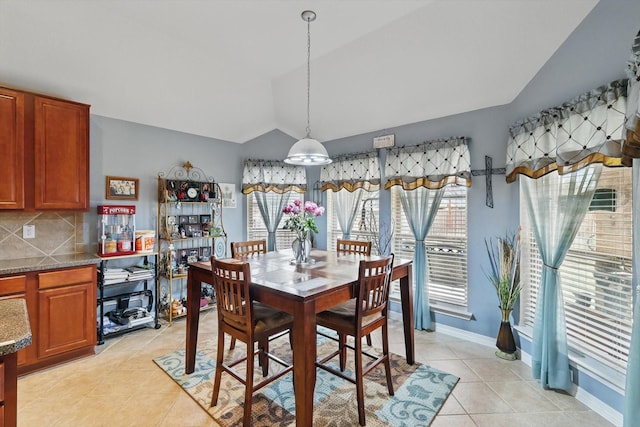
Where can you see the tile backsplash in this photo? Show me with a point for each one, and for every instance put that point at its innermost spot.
(56, 233)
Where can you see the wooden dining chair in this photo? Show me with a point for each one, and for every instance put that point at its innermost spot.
(245, 249)
(248, 248)
(353, 247)
(249, 322)
(358, 317)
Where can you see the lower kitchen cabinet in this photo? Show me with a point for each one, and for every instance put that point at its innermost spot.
(64, 317)
(62, 313)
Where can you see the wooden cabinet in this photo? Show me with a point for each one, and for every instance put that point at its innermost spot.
(48, 144)
(12, 147)
(62, 313)
(16, 287)
(66, 311)
(8, 391)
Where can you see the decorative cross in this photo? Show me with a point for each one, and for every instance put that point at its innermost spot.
(488, 171)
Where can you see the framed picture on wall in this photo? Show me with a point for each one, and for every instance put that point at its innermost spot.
(121, 188)
(228, 195)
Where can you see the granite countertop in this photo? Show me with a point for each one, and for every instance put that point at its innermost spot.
(23, 265)
(15, 332)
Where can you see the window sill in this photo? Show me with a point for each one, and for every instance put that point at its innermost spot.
(451, 310)
(445, 309)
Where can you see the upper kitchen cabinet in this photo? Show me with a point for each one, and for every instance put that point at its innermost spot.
(50, 139)
(61, 155)
(12, 147)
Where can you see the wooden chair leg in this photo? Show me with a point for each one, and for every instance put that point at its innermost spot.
(248, 391)
(218, 375)
(369, 340)
(263, 346)
(387, 363)
(342, 348)
(359, 382)
(233, 343)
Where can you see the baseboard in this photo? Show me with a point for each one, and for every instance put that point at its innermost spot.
(599, 407)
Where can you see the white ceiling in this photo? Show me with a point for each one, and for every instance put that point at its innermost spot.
(236, 69)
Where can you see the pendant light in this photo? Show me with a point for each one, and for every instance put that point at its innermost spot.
(308, 151)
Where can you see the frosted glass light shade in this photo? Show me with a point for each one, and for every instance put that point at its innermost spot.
(308, 152)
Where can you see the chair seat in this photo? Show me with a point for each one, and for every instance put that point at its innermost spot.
(265, 318)
(342, 317)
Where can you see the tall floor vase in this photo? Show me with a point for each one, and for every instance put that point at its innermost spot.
(505, 342)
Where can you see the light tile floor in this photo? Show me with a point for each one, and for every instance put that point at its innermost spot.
(121, 386)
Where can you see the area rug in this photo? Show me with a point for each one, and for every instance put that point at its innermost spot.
(420, 392)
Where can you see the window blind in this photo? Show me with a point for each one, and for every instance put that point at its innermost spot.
(595, 276)
(446, 245)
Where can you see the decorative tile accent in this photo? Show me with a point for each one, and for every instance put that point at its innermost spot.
(56, 234)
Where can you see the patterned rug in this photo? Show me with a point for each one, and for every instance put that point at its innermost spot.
(420, 391)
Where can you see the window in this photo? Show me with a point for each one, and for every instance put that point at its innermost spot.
(256, 228)
(365, 226)
(595, 275)
(446, 245)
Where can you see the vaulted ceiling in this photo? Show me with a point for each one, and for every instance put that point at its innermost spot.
(236, 69)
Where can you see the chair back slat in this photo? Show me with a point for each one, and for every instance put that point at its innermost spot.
(374, 282)
(248, 248)
(354, 247)
(231, 284)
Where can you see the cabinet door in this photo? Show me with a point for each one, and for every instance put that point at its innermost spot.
(16, 287)
(12, 149)
(61, 155)
(67, 319)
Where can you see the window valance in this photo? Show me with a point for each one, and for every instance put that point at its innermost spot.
(631, 146)
(588, 129)
(432, 165)
(273, 175)
(352, 171)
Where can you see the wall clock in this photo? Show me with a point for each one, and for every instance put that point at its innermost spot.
(192, 193)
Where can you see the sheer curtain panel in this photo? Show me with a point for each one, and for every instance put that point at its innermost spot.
(423, 171)
(346, 204)
(556, 209)
(631, 149)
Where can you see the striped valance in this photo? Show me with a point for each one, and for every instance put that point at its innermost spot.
(352, 171)
(588, 129)
(273, 175)
(432, 164)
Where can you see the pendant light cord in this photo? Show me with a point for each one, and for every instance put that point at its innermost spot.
(308, 77)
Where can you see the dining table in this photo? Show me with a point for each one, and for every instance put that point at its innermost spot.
(303, 290)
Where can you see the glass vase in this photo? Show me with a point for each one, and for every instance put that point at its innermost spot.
(301, 249)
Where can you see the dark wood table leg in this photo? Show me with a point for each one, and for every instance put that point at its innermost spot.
(193, 318)
(10, 363)
(406, 296)
(304, 359)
